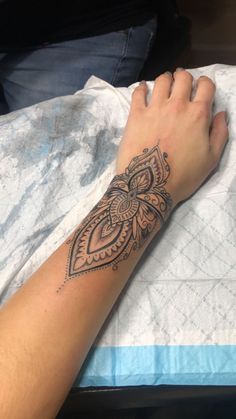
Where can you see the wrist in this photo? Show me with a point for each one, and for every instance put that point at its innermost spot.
(145, 192)
(132, 210)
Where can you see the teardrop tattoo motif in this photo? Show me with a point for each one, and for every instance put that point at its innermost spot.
(135, 203)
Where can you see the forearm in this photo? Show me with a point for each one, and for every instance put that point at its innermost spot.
(48, 327)
(45, 336)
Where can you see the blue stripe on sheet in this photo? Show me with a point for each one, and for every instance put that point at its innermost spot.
(155, 365)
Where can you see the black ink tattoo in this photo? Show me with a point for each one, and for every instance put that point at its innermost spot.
(135, 204)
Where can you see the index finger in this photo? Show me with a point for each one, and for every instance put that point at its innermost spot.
(205, 90)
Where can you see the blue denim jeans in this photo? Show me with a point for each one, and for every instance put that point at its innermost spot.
(33, 75)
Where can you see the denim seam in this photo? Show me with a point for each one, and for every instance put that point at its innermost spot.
(150, 44)
(148, 50)
(124, 53)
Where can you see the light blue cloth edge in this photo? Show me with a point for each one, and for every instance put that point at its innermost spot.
(155, 365)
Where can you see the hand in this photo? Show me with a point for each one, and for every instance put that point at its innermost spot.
(180, 126)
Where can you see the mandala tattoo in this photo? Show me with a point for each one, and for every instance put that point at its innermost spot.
(135, 204)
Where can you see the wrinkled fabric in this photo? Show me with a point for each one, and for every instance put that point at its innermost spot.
(57, 159)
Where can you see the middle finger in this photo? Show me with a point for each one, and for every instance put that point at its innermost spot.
(182, 86)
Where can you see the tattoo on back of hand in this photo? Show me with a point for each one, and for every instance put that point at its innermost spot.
(135, 204)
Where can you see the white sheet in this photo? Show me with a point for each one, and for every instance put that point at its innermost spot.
(56, 161)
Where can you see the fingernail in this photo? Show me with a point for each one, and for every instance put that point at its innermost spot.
(143, 82)
(197, 81)
(179, 69)
(169, 73)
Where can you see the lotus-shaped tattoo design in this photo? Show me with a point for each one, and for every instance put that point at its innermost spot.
(135, 203)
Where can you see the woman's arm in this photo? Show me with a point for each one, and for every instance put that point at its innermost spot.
(49, 325)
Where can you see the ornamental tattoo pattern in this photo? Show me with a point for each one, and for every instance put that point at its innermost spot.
(135, 203)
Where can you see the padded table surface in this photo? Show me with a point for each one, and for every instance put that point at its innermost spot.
(175, 322)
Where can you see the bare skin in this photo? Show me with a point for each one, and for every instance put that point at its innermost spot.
(180, 126)
(49, 325)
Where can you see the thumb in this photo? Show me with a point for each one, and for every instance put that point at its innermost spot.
(219, 134)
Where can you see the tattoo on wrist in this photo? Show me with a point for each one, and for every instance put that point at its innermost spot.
(135, 205)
